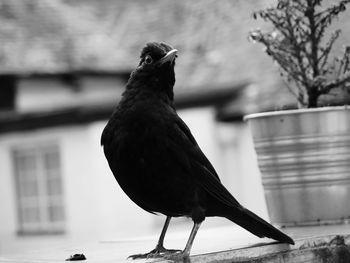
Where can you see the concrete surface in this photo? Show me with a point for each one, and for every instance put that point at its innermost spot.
(220, 244)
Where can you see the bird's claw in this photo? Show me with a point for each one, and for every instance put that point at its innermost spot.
(158, 252)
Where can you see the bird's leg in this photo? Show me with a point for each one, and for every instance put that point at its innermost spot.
(159, 250)
(184, 254)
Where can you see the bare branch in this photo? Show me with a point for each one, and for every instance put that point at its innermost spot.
(341, 81)
(345, 62)
(325, 17)
(297, 52)
(323, 59)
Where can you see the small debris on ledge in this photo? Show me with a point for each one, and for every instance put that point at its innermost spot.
(76, 257)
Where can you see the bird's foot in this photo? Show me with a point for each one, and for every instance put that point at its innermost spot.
(158, 252)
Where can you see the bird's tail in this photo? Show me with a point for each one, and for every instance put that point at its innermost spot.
(257, 225)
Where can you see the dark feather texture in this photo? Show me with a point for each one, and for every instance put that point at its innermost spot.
(155, 158)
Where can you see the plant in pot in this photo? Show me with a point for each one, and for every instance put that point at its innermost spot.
(304, 154)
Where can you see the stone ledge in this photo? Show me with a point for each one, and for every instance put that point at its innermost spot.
(326, 244)
(331, 248)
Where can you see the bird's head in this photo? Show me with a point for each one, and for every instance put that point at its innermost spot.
(156, 67)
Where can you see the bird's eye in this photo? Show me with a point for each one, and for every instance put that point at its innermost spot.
(148, 59)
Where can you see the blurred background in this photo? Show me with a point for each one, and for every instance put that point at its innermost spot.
(63, 67)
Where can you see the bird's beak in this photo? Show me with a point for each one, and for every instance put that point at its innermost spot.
(170, 56)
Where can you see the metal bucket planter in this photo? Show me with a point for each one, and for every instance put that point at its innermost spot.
(304, 159)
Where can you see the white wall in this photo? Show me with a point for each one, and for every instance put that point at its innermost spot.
(54, 93)
(7, 195)
(241, 174)
(95, 206)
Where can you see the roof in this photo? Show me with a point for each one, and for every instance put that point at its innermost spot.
(55, 36)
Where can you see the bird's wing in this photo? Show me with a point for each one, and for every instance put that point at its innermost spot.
(189, 152)
(213, 186)
(187, 138)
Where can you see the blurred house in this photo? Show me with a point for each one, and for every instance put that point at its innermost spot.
(63, 67)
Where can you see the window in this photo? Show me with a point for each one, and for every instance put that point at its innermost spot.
(39, 189)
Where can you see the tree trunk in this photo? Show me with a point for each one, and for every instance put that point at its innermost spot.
(312, 99)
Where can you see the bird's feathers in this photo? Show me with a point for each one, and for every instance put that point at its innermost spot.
(157, 50)
(256, 225)
(156, 159)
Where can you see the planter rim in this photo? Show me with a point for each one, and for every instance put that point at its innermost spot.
(295, 111)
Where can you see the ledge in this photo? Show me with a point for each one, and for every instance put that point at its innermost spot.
(220, 244)
(332, 248)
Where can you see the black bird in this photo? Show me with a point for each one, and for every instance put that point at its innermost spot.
(157, 161)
